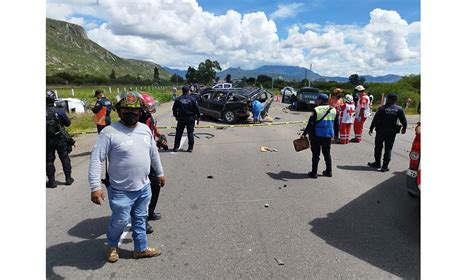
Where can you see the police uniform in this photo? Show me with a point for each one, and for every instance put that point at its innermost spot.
(320, 128)
(57, 142)
(102, 110)
(185, 110)
(385, 124)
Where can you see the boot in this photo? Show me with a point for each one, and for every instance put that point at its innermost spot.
(51, 183)
(69, 180)
(313, 174)
(385, 168)
(374, 164)
(149, 228)
(327, 173)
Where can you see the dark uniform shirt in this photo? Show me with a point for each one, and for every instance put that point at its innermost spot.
(103, 102)
(385, 120)
(185, 108)
(61, 116)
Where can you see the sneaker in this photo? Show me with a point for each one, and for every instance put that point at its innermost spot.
(154, 216)
(327, 173)
(149, 229)
(374, 164)
(51, 184)
(353, 140)
(384, 168)
(69, 180)
(112, 254)
(148, 253)
(312, 175)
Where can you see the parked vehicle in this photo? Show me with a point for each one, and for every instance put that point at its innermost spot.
(286, 94)
(306, 97)
(414, 171)
(71, 105)
(222, 86)
(232, 105)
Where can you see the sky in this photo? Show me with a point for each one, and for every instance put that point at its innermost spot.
(333, 37)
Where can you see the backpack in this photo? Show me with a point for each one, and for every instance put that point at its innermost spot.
(52, 123)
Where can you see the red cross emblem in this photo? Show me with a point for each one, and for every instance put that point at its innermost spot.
(350, 111)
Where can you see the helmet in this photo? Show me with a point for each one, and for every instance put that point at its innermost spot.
(131, 100)
(51, 95)
(360, 88)
(348, 98)
(323, 97)
(149, 102)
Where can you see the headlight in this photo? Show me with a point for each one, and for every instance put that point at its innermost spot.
(414, 155)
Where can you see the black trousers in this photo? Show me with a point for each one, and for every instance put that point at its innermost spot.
(318, 144)
(155, 190)
(380, 139)
(189, 125)
(53, 146)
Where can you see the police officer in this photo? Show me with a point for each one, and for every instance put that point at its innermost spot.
(320, 128)
(56, 140)
(385, 124)
(186, 111)
(101, 109)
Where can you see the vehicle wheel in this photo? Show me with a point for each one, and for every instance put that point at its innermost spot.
(229, 116)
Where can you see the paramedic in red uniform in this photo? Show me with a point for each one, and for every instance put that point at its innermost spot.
(361, 114)
(347, 119)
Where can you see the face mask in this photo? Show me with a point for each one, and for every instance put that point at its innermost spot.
(130, 119)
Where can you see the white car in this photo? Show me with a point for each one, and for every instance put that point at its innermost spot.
(286, 93)
(222, 86)
(71, 105)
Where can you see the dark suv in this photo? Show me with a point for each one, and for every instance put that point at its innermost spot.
(306, 97)
(233, 104)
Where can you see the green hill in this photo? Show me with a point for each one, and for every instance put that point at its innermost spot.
(68, 49)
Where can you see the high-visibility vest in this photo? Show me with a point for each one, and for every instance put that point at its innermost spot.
(325, 127)
(99, 118)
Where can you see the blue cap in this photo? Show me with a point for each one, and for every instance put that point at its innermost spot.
(185, 89)
(323, 97)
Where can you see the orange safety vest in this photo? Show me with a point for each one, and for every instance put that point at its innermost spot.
(99, 118)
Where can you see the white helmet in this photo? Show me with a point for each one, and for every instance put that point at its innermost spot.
(348, 98)
(360, 88)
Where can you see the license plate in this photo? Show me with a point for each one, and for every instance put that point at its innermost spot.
(311, 102)
(412, 173)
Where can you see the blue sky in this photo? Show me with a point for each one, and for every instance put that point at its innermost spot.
(337, 37)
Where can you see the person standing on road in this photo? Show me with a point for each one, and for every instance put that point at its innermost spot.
(361, 114)
(320, 128)
(57, 139)
(101, 109)
(385, 124)
(147, 118)
(186, 111)
(336, 102)
(347, 118)
(130, 149)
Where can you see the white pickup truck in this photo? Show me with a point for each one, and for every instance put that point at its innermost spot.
(222, 86)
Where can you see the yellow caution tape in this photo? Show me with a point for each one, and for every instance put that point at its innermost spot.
(240, 125)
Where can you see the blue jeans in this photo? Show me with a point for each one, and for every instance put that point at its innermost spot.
(123, 205)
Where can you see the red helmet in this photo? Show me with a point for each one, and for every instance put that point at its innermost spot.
(150, 103)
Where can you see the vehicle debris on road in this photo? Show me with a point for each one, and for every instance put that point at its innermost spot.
(267, 149)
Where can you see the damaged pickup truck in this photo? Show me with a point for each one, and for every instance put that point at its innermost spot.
(232, 105)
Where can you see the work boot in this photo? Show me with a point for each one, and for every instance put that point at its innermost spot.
(112, 254)
(385, 168)
(51, 184)
(148, 253)
(149, 228)
(313, 175)
(327, 173)
(374, 164)
(69, 180)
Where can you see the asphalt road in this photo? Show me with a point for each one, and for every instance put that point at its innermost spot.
(359, 224)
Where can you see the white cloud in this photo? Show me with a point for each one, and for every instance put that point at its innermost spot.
(179, 33)
(58, 11)
(287, 11)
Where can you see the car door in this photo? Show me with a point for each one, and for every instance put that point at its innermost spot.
(203, 102)
(217, 103)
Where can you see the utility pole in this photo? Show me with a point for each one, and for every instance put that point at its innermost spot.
(310, 67)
